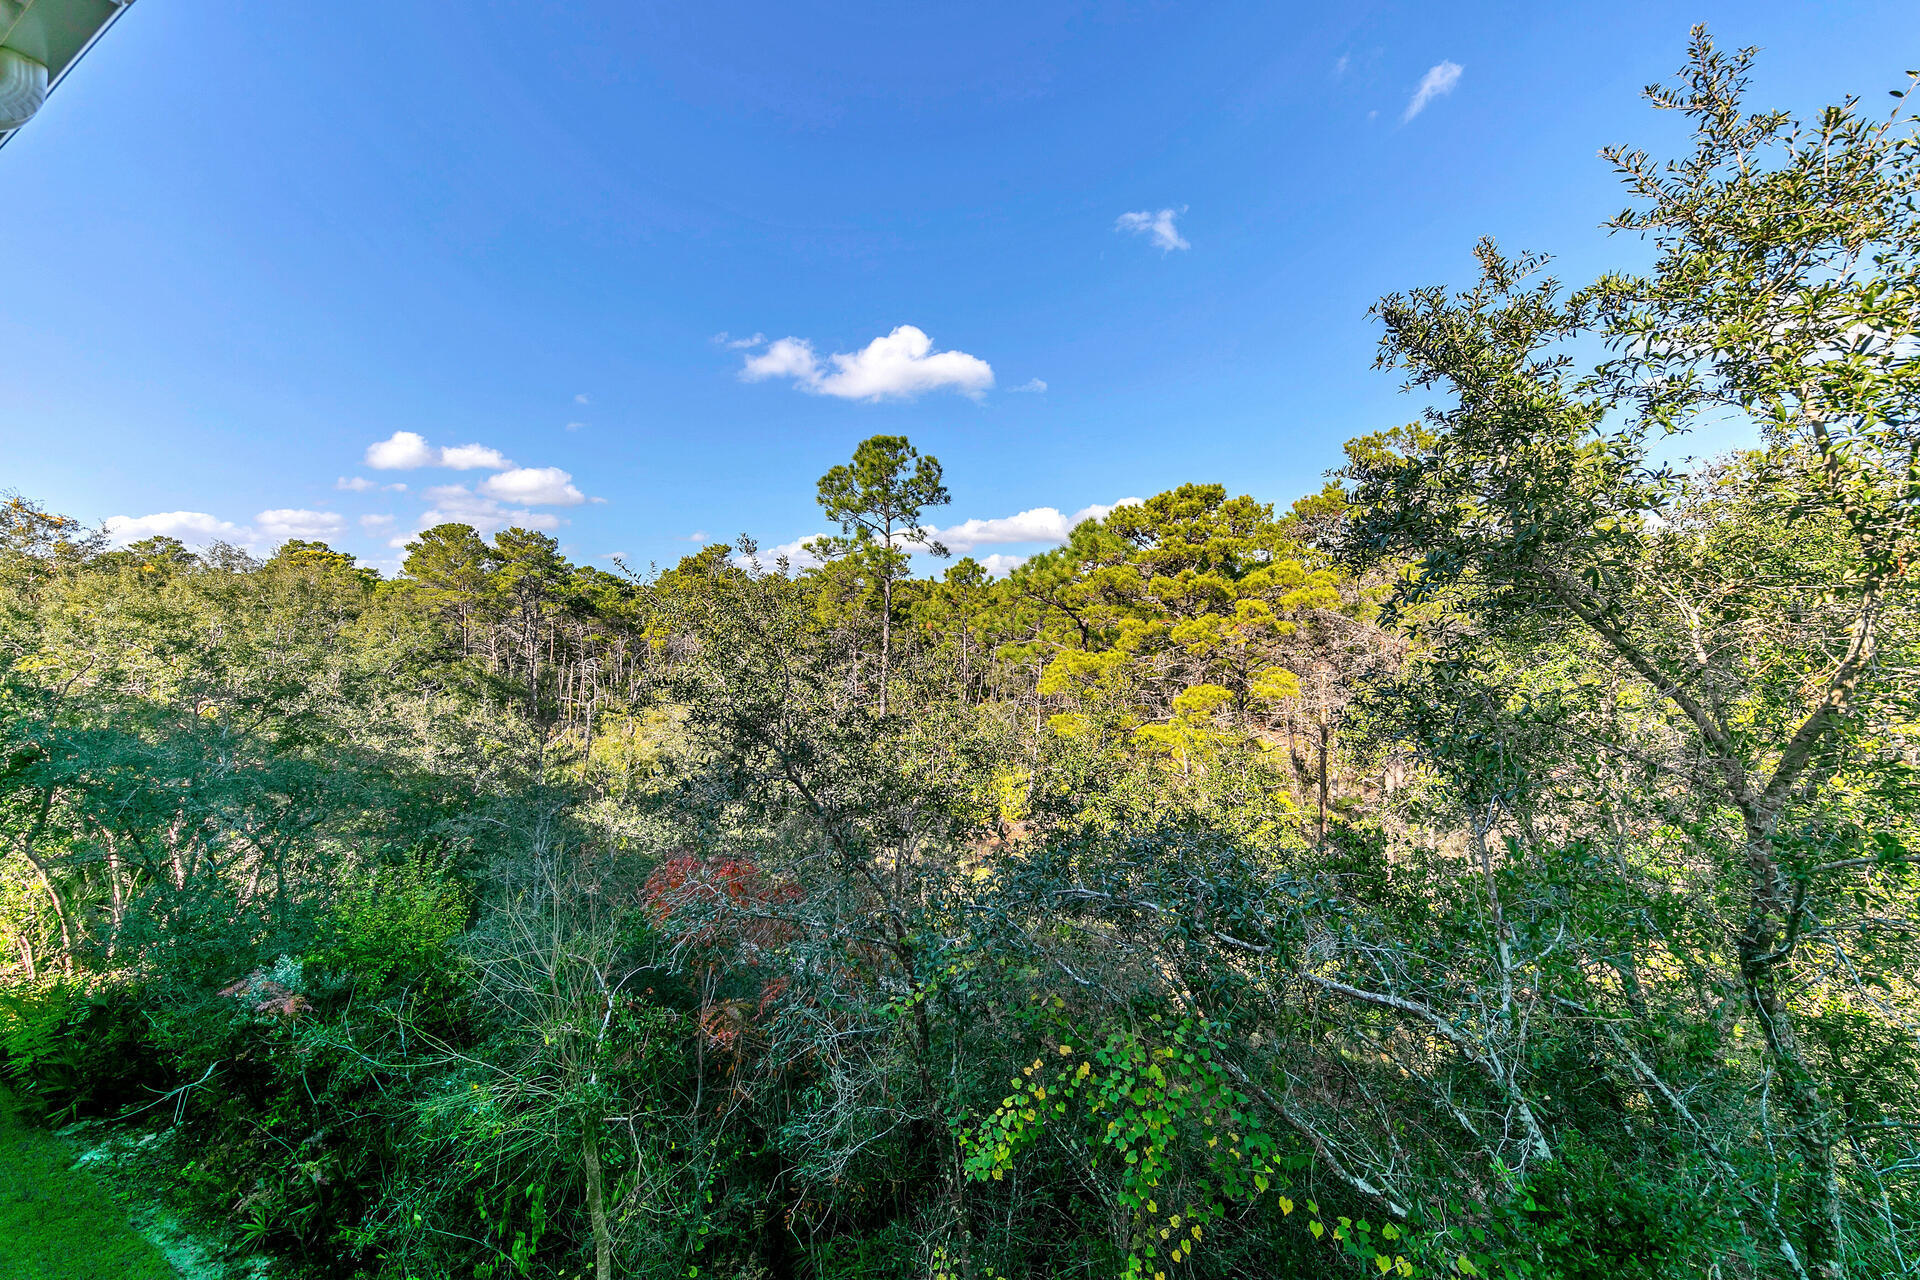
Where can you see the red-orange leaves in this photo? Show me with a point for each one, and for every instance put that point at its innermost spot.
(723, 901)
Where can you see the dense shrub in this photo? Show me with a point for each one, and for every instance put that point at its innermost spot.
(74, 1046)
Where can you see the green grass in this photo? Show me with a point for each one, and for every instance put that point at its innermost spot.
(58, 1223)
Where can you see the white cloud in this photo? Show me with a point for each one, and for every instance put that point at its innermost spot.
(535, 486)
(1156, 226)
(583, 398)
(796, 553)
(371, 523)
(1041, 524)
(899, 366)
(457, 504)
(1439, 81)
(798, 557)
(998, 565)
(196, 527)
(698, 535)
(787, 358)
(401, 451)
(1045, 526)
(1036, 385)
(360, 484)
(408, 450)
(1340, 65)
(575, 426)
(474, 457)
(278, 525)
(731, 343)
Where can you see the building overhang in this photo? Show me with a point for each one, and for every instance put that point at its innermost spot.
(40, 41)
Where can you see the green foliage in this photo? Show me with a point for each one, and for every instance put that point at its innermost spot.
(67, 1045)
(1161, 1111)
(395, 927)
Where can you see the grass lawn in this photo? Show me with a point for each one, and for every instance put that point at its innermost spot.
(60, 1224)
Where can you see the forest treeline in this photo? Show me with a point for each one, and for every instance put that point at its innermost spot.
(1499, 863)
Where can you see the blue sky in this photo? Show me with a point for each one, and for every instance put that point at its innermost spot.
(246, 242)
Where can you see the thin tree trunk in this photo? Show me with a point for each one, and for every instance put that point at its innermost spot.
(886, 636)
(46, 879)
(1764, 945)
(586, 755)
(597, 1203)
(119, 899)
(1322, 839)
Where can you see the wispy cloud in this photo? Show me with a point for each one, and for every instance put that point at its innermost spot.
(375, 523)
(897, 367)
(787, 358)
(727, 340)
(278, 525)
(575, 426)
(1037, 386)
(1158, 227)
(1341, 63)
(583, 398)
(1438, 82)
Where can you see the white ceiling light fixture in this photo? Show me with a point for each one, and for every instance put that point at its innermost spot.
(40, 41)
(23, 87)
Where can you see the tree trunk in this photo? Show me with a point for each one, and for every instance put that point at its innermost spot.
(1764, 946)
(886, 636)
(46, 879)
(597, 1203)
(586, 755)
(1322, 839)
(119, 899)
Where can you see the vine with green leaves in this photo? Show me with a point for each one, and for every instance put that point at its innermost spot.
(1145, 1100)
